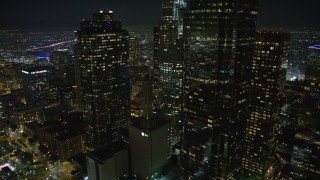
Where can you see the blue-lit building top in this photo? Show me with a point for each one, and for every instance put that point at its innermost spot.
(314, 53)
(315, 47)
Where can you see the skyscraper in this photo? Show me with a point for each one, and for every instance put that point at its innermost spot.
(169, 62)
(36, 84)
(133, 48)
(149, 136)
(60, 57)
(156, 66)
(219, 44)
(103, 78)
(312, 78)
(268, 80)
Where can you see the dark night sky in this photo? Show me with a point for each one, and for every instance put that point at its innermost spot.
(68, 13)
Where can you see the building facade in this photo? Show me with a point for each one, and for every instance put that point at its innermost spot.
(109, 162)
(312, 75)
(268, 80)
(103, 81)
(169, 63)
(133, 48)
(219, 45)
(36, 84)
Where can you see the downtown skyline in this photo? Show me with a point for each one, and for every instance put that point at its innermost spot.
(160, 90)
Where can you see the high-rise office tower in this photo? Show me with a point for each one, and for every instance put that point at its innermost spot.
(63, 62)
(103, 78)
(138, 74)
(36, 85)
(312, 76)
(60, 56)
(298, 143)
(133, 48)
(219, 45)
(3, 124)
(155, 66)
(149, 135)
(268, 80)
(108, 162)
(170, 62)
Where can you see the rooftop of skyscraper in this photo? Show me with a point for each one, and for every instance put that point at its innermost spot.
(106, 152)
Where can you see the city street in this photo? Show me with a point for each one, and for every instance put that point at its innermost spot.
(28, 162)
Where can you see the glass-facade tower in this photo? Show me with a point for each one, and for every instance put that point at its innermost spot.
(219, 44)
(169, 65)
(103, 81)
(268, 80)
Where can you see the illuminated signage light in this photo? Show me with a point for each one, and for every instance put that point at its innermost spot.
(35, 72)
(144, 134)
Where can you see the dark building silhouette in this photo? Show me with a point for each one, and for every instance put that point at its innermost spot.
(60, 56)
(63, 62)
(108, 162)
